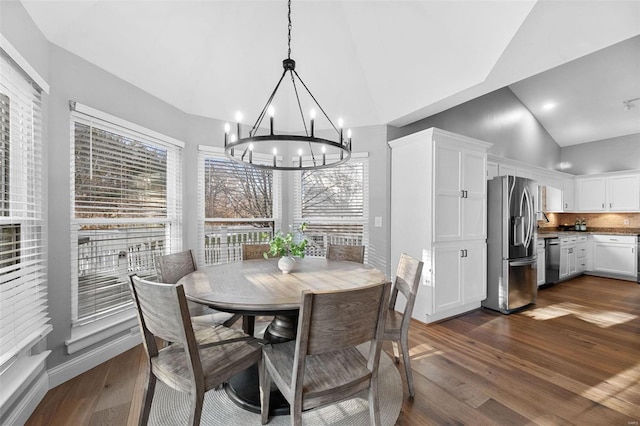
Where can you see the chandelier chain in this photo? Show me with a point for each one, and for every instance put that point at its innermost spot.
(289, 41)
(245, 145)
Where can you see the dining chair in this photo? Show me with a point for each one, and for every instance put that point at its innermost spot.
(199, 359)
(171, 267)
(323, 365)
(255, 251)
(396, 327)
(345, 252)
(250, 252)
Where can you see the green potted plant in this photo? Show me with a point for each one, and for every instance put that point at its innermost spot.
(284, 246)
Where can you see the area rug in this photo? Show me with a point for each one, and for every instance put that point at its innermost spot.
(171, 408)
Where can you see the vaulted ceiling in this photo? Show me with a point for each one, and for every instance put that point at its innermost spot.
(370, 62)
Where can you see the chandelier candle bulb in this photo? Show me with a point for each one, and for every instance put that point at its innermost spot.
(271, 113)
(275, 152)
(349, 139)
(324, 155)
(227, 129)
(313, 119)
(300, 155)
(251, 153)
(238, 120)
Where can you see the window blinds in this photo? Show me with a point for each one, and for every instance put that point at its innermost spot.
(238, 204)
(23, 282)
(335, 204)
(127, 210)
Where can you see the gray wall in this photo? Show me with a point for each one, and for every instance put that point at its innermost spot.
(608, 155)
(18, 27)
(500, 118)
(72, 78)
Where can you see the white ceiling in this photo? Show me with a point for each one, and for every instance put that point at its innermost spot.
(371, 62)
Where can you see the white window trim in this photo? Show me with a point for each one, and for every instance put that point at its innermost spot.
(297, 206)
(276, 212)
(86, 113)
(23, 63)
(85, 335)
(25, 370)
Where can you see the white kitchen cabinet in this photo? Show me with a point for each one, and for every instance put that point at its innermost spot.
(552, 199)
(438, 215)
(568, 194)
(592, 194)
(619, 192)
(615, 254)
(460, 204)
(582, 251)
(623, 193)
(568, 258)
(459, 274)
(540, 252)
(506, 170)
(492, 170)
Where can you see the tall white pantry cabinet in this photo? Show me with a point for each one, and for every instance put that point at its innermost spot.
(438, 215)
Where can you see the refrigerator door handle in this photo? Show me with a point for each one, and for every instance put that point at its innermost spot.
(523, 262)
(529, 217)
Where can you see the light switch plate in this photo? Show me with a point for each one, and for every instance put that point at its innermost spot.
(378, 222)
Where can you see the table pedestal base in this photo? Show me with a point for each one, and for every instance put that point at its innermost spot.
(244, 388)
(283, 328)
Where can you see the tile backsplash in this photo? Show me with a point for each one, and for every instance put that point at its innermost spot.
(594, 220)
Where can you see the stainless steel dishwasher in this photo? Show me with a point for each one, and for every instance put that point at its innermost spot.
(552, 260)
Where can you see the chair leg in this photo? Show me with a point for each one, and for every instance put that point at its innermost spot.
(296, 411)
(197, 401)
(407, 364)
(232, 320)
(374, 407)
(396, 351)
(265, 390)
(149, 390)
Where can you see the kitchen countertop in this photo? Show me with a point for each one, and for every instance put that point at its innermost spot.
(557, 233)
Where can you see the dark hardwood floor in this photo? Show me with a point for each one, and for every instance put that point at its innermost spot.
(573, 358)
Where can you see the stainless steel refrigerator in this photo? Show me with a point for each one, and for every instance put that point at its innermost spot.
(511, 244)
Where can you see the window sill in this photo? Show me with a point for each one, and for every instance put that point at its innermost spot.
(83, 336)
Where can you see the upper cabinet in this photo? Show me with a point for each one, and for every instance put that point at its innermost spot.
(613, 193)
(568, 195)
(460, 192)
(563, 192)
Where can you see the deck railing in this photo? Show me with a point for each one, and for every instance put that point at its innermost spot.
(223, 244)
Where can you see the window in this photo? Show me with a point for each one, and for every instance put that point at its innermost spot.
(126, 209)
(335, 204)
(239, 204)
(23, 282)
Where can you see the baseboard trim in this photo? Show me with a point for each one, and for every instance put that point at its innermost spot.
(93, 358)
(450, 313)
(29, 402)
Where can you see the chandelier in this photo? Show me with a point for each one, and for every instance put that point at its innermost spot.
(313, 152)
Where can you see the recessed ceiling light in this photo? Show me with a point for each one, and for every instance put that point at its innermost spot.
(549, 105)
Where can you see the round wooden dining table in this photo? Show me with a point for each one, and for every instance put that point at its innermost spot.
(257, 287)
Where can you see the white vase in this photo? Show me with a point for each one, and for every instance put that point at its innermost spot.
(286, 264)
